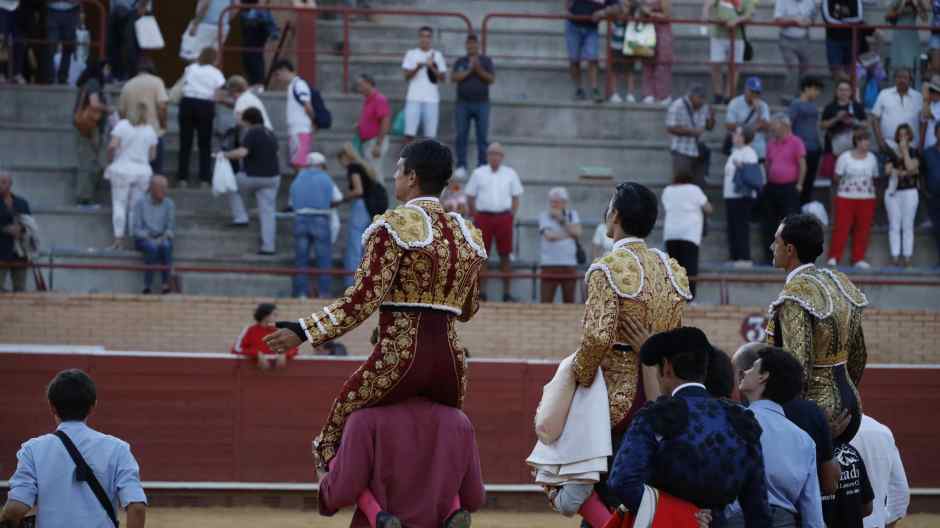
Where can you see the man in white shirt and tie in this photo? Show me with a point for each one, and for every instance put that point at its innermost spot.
(493, 199)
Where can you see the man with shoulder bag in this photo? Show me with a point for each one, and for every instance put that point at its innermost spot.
(686, 121)
(56, 473)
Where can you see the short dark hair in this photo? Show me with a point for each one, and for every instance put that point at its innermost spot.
(806, 234)
(859, 133)
(638, 208)
(432, 162)
(748, 133)
(72, 395)
(283, 64)
(810, 81)
(426, 28)
(146, 65)
(367, 78)
(720, 378)
(686, 348)
(682, 176)
(785, 380)
(253, 116)
(208, 55)
(263, 310)
(472, 37)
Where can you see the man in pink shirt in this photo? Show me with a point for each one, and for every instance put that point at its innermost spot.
(416, 457)
(374, 123)
(785, 167)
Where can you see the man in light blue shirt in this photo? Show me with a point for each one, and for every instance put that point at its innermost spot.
(749, 110)
(45, 473)
(312, 195)
(789, 453)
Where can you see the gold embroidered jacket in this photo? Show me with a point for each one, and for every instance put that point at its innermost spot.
(631, 282)
(417, 256)
(818, 319)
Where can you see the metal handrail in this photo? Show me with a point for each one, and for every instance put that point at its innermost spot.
(346, 12)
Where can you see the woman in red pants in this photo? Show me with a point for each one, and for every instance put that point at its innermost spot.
(854, 203)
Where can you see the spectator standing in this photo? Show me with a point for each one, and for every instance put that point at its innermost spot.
(89, 147)
(424, 69)
(875, 443)
(620, 63)
(748, 109)
(839, 45)
(839, 120)
(795, 46)
(362, 185)
(854, 206)
(786, 171)
(560, 229)
(895, 106)
(854, 501)
(147, 89)
(313, 196)
(905, 43)
(375, 121)
(931, 173)
(201, 81)
(581, 39)
(243, 99)
(154, 229)
(11, 207)
(261, 174)
(122, 37)
(302, 100)
(730, 16)
(205, 24)
(601, 243)
(133, 146)
(902, 195)
(61, 24)
(931, 112)
(774, 379)
(804, 116)
(45, 472)
(686, 206)
(738, 203)
(473, 73)
(8, 34)
(657, 73)
(493, 199)
(686, 121)
(258, 27)
(250, 342)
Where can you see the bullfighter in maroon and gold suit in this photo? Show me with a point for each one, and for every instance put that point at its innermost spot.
(420, 269)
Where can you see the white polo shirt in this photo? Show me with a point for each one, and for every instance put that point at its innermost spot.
(200, 81)
(894, 110)
(420, 87)
(249, 100)
(494, 191)
(298, 122)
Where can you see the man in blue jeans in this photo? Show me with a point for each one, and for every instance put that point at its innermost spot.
(61, 25)
(312, 195)
(581, 39)
(473, 73)
(154, 221)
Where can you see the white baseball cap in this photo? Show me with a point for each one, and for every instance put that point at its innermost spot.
(315, 158)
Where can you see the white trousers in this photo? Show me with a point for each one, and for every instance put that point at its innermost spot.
(901, 207)
(126, 189)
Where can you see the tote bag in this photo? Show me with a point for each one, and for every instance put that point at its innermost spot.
(148, 32)
(639, 39)
(223, 179)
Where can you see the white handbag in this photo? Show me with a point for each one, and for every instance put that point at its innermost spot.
(148, 32)
(223, 178)
(639, 39)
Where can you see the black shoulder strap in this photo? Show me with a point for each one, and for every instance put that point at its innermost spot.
(688, 108)
(84, 473)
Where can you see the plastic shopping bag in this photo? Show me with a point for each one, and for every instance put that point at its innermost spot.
(223, 178)
(148, 33)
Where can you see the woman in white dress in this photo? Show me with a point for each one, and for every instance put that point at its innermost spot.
(133, 146)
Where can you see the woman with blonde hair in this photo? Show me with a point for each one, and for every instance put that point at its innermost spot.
(363, 189)
(133, 146)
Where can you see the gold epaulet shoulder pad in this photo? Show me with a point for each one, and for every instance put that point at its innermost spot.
(471, 234)
(845, 286)
(809, 292)
(677, 274)
(408, 225)
(623, 270)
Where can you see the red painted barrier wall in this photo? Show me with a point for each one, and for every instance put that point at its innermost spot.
(220, 419)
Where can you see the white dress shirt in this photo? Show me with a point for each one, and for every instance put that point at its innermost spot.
(876, 444)
(894, 110)
(494, 191)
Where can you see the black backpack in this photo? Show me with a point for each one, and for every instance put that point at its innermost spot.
(322, 118)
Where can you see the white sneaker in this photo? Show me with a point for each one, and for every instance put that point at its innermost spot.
(460, 173)
(862, 265)
(616, 99)
(666, 102)
(832, 263)
(649, 99)
(631, 99)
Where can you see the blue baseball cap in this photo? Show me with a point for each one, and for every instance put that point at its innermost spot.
(753, 84)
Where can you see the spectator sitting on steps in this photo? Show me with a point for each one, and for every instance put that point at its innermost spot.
(154, 228)
(11, 206)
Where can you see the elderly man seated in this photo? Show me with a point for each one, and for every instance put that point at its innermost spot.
(154, 228)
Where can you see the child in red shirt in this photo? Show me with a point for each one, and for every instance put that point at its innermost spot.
(251, 341)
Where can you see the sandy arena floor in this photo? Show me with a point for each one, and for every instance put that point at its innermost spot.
(252, 517)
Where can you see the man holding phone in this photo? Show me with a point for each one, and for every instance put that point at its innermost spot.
(424, 69)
